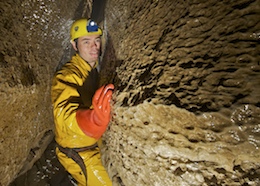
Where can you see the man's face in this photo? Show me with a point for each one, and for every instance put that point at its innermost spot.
(89, 48)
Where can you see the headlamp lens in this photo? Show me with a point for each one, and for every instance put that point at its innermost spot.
(92, 26)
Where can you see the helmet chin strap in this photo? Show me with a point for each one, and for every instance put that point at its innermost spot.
(76, 44)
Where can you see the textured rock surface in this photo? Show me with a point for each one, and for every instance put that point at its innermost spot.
(34, 36)
(188, 89)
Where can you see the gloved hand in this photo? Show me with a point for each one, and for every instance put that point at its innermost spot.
(93, 122)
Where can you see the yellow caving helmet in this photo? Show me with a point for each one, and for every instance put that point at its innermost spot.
(84, 27)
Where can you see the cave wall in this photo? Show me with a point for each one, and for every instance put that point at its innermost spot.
(186, 104)
(34, 41)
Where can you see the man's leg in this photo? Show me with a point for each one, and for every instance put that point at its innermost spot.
(97, 175)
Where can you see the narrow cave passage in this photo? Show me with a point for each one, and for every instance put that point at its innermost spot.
(47, 170)
(186, 107)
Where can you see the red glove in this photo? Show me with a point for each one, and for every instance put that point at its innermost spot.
(94, 122)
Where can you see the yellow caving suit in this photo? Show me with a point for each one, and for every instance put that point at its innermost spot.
(72, 88)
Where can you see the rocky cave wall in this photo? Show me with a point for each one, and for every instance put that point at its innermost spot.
(186, 105)
(34, 40)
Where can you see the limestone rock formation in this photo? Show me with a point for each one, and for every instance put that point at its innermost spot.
(34, 37)
(186, 106)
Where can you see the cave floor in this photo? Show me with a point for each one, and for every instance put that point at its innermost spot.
(47, 171)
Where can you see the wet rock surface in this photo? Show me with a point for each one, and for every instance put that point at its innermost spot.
(165, 145)
(201, 56)
(186, 105)
(45, 171)
(34, 40)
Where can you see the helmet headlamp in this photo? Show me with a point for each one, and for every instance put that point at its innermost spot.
(92, 26)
